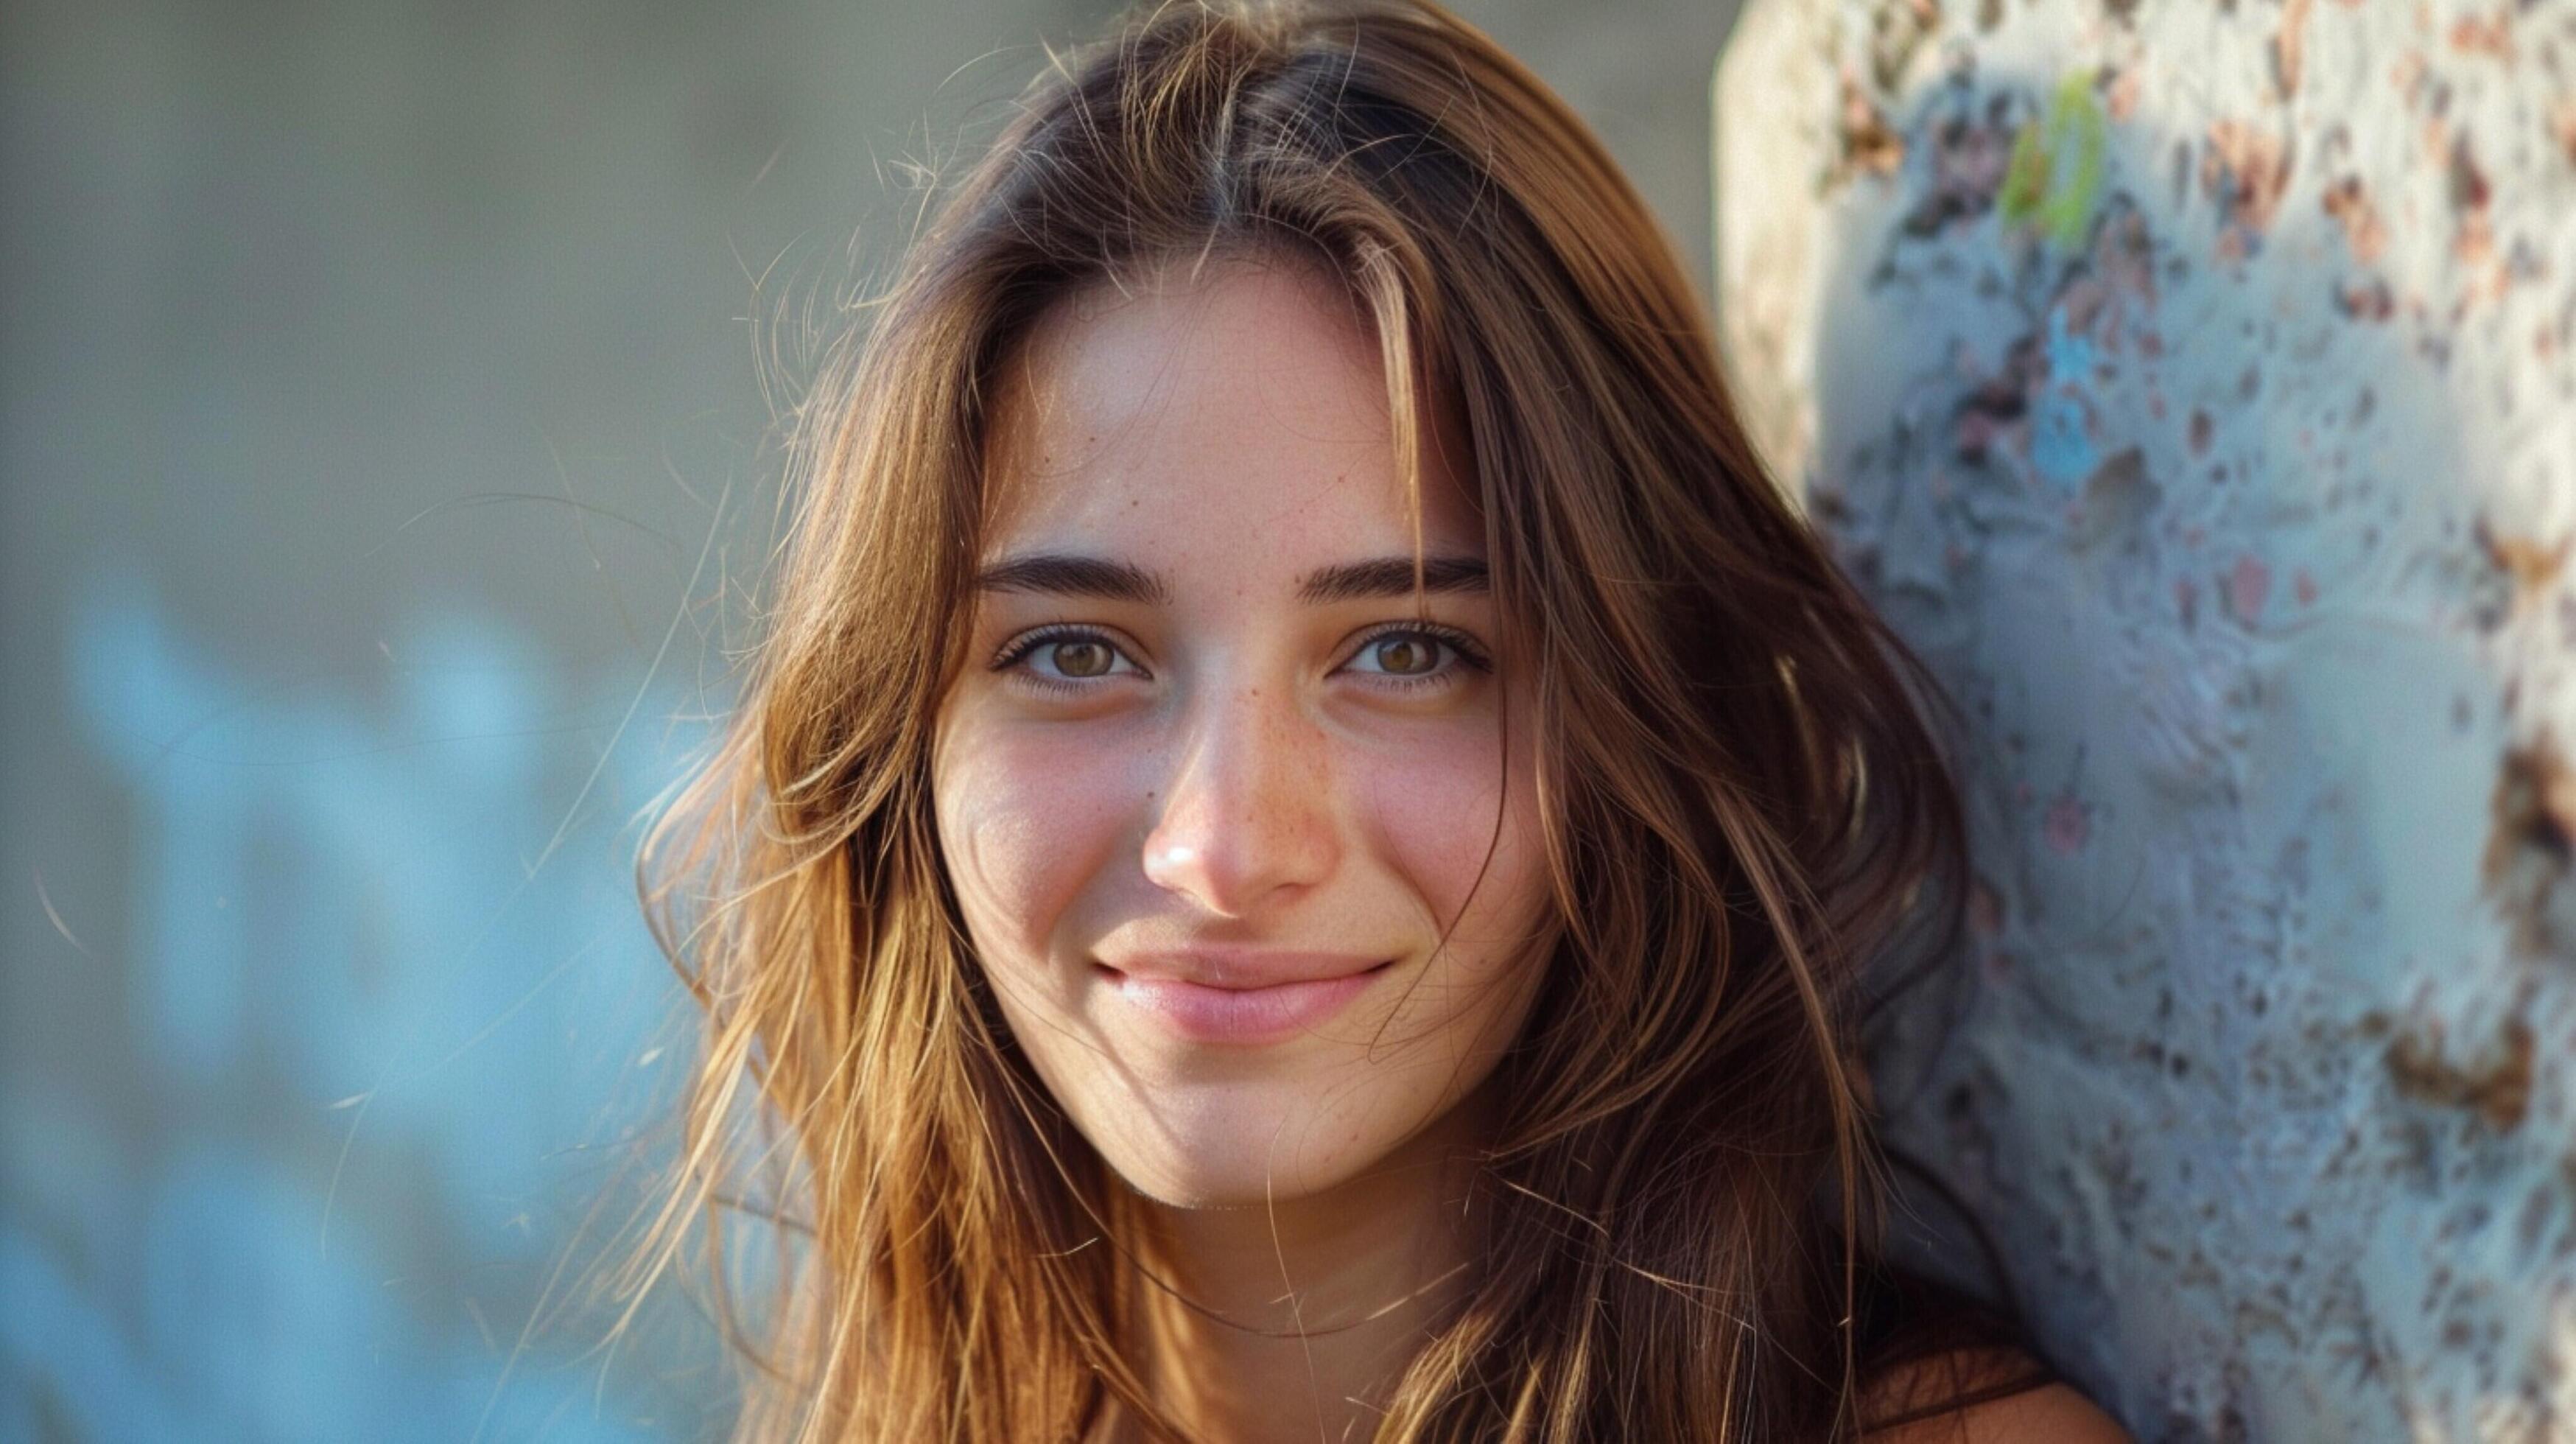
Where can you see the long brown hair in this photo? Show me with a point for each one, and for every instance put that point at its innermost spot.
(1741, 802)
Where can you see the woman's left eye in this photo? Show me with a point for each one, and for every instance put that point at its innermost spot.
(1415, 656)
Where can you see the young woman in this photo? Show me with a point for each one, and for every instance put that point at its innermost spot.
(1299, 854)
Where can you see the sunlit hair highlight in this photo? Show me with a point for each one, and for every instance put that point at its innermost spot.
(1741, 805)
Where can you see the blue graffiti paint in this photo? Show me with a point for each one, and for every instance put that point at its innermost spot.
(334, 898)
(2062, 448)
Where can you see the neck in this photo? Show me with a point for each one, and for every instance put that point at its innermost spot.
(1295, 1319)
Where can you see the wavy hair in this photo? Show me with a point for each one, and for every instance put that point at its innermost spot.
(1742, 804)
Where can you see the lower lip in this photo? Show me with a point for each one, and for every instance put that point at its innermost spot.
(1240, 1015)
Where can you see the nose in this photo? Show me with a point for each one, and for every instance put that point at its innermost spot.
(1245, 819)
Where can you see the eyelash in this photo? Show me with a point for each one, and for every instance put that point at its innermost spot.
(1022, 647)
(1469, 655)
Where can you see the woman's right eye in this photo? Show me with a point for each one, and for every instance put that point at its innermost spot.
(1065, 660)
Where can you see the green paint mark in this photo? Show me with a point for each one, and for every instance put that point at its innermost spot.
(2055, 173)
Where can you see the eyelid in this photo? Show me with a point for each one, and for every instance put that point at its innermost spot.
(1471, 652)
(1018, 647)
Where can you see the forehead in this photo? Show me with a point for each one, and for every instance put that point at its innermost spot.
(1241, 400)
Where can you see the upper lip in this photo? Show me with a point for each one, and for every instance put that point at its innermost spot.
(1239, 967)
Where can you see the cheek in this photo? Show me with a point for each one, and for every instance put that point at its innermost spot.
(1436, 811)
(1026, 826)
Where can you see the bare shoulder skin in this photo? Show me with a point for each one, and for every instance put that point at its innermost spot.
(2049, 1414)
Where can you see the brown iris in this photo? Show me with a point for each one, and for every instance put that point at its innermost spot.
(1082, 659)
(1406, 656)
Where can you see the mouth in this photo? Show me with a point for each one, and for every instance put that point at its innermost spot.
(1243, 1016)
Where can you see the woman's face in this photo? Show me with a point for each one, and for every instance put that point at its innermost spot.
(1212, 784)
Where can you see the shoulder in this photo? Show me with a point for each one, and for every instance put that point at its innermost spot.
(1940, 1367)
(1979, 1396)
(2049, 1414)
(2006, 1398)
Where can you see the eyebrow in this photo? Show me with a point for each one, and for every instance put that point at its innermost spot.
(1392, 577)
(1080, 576)
(1074, 577)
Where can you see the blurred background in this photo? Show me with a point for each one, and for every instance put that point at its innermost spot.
(383, 450)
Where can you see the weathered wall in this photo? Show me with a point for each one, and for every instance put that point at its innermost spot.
(2194, 383)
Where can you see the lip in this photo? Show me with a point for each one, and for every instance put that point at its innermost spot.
(1238, 997)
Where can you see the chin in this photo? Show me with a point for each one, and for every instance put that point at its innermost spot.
(1232, 1151)
(1226, 1183)
(1250, 1143)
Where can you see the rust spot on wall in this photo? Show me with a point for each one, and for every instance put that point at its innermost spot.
(2530, 566)
(2490, 35)
(2290, 44)
(2532, 846)
(2408, 75)
(1998, 410)
(2245, 169)
(2248, 585)
(2366, 298)
(2495, 1084)
(2120, 101)
(2348, 201)
(2124, 257)
(2471, 194)
(1970, 157)
(1868, 142)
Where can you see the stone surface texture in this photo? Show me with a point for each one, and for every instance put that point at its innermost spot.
(2194, 384)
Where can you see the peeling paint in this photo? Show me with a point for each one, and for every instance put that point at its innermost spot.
(2532, 566)
(2495, 1084)
(2245, 168)
(2055, 174)
(2490, 35)
(1868, 143)
(2348, 201)
(2289, 45)
(2532, 850)
(1970, 158)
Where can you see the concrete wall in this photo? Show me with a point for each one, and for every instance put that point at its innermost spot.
(2195, 385)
